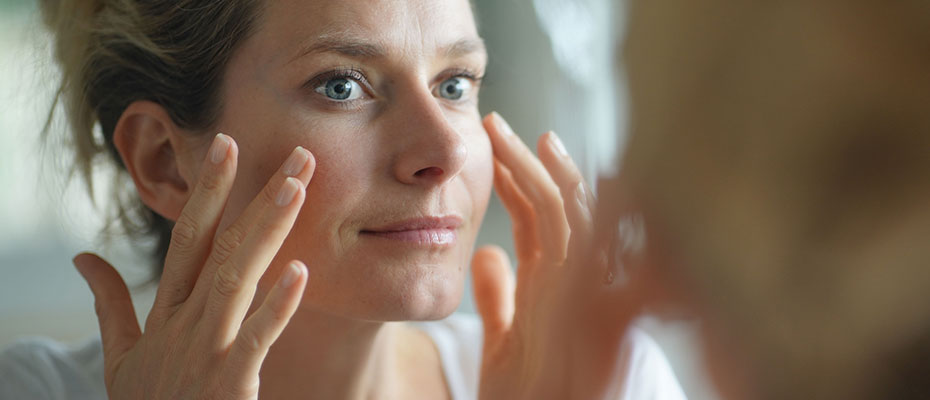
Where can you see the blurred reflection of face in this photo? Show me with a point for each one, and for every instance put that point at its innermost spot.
(384, 94)
(763, 134)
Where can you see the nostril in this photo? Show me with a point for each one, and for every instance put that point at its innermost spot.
(428, 172)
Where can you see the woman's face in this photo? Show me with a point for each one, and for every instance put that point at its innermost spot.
(384, 94)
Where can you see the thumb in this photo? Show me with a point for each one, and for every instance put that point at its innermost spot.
(119, 329)
(493, 283)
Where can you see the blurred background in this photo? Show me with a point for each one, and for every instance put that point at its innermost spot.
(550, 69)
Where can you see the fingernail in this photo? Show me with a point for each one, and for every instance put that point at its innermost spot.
(502, 126)
(290, 275)
(557, 143)
(219, 148)
(295, 162)
(287, 192)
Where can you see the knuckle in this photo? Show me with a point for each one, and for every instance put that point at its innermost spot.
(226, 281)
(249, 341)
(232, 388)
(226, 243)
(268, 194)
(279, 314)
(210, 181)
(184, 234)
(266, 225)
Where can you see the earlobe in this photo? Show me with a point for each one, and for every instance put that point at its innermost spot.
(148, 142)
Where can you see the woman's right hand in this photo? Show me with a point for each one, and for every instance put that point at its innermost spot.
(198, 342)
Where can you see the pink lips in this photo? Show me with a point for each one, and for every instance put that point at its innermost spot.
(429, 231)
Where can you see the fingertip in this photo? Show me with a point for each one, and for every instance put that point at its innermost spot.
(300, 164)
(544, 147)
(491, 263)
(84, 260)
(79, 258)
(293, 272)
(78, 262)
(222, 148)
(100, 276)
(301, 195)
(219, 149)
(292, 191)
(311, 158)
(499, 125)
(490, 127)
(493, 289)
(553, 144)
(491, 254)
(545, 138)
(233, 148)
(83, 256)
(230, 163)
(310, 169)
(304, 271)
(491, 117)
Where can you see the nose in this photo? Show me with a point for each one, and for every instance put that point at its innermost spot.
(432, 151)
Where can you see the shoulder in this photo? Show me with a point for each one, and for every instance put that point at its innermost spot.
(647, 374)
(458, 339)
(38, 368)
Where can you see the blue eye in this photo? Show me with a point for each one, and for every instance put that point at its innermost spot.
(454, 88)
(340, 89)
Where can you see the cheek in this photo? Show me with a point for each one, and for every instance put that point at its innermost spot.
(262, 150)
(478, 172)
(339, 184)
(342, 181)
(256, 164)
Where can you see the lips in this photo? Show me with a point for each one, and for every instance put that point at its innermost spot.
(428, 231)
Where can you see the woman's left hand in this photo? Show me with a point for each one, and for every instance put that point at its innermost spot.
(557, 333)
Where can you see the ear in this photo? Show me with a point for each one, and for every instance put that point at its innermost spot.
(148, 142)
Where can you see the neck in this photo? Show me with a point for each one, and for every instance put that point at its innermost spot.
(321, 356)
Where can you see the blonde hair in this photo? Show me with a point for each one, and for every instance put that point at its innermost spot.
(115, 52)
(782, 153)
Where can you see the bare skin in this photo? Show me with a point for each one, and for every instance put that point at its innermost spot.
(396, 146)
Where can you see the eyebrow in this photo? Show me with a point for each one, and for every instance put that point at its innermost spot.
(358, 48)
(464, 47)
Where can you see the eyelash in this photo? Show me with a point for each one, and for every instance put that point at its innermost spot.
(462, 73)
(339, 73)
(356, 74)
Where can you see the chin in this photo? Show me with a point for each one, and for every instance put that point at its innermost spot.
(428, 298)
(428, 306)
(417, 292)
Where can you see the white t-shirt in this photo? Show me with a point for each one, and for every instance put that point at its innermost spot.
(42, 369)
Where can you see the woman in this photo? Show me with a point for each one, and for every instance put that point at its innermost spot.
(345, 193)
(780, 154)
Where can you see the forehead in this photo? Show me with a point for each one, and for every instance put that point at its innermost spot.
(291, 26)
